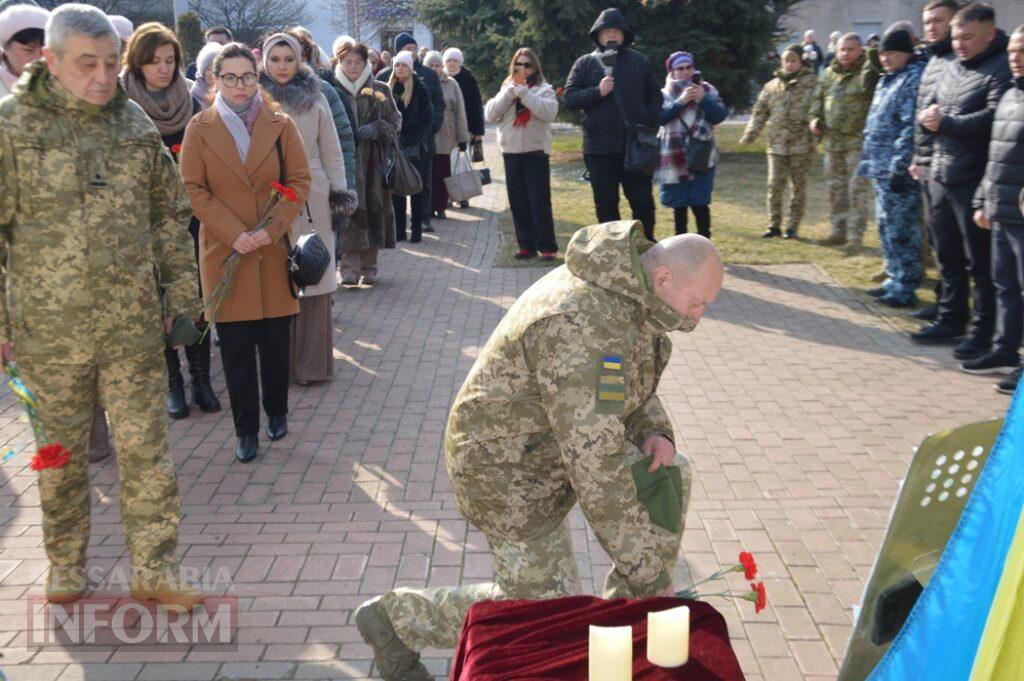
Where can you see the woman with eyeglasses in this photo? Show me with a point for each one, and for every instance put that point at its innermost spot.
(523, 110)
(689, 154)
(232, 153)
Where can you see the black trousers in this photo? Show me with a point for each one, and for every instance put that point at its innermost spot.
(606, 174)
(701, 213)
(1008, 278)
(929, 233)
(420, 203)
(239, 344)
(528, 180)
(964, 252)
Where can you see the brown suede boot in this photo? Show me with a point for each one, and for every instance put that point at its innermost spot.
(167, 590)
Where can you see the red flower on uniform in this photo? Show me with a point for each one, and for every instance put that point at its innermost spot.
(749, 565)
(286, 192)
(760, 598)
(50, 456)
(175, 149)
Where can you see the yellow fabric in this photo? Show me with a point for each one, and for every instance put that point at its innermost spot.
(1000, 656)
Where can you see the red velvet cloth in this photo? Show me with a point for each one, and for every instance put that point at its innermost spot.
(548, 640)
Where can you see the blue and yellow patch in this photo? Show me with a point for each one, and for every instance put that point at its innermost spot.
(612, 363)
(611, 385)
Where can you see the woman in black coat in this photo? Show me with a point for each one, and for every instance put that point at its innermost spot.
(413, 100)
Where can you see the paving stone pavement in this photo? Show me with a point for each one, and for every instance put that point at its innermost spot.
(798, 406)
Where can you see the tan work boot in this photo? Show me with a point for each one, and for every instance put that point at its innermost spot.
(167, 591)
(880, 276)
(65, 584)
(833, 239)
(395, 660)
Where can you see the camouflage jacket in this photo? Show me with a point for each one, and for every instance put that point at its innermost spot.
(559, 396)
(841, 103)
(784, 108)
(94, 226)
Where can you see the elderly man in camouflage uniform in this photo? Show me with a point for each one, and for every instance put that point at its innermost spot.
(838, 112)
(559, 408)
(94, 226)
(783, 107)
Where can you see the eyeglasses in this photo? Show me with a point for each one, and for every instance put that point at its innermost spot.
(231, 80)
(524, 64)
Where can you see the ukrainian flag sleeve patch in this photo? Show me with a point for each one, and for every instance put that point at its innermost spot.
(611, 385)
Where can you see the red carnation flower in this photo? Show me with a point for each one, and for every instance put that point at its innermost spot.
(286, 192)
(50, 456)
(175, 149)
(761, 595)
(749, 565)
(559, 92)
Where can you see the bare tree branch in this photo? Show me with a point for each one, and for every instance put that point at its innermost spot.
(249, 19)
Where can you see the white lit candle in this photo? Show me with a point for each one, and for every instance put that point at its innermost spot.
(668, 637)
(611, 653)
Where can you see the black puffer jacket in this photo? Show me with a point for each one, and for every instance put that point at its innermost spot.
(635, 86)
(999, 192)
(941, 56)
(967, 94)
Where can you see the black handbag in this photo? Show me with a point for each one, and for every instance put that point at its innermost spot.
(698, 152)
(309, 259)
(643, 148)
(400, 173)
(478, 151)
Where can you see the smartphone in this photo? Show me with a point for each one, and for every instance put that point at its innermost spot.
(697, 78)
(519, 78)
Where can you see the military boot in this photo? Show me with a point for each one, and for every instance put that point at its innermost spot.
(199, 369)
(395, 661)
(167, 590)
(176, 407)
(65, 584)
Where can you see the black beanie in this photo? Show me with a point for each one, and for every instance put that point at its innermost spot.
(403, 39)
(896, 41)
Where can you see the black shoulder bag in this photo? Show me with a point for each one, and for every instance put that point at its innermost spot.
(310, 258)
(643, 148)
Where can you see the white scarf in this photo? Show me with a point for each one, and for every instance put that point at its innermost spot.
(235, 125)
(353, 88)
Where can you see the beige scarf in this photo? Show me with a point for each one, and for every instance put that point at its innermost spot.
(350, 87)
(171, 115)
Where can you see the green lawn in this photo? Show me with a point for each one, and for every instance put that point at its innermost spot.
(738, 216)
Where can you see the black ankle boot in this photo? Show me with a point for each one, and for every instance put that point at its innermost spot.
(247, 447)
(199, 368)
(277, 427)
(176, 407)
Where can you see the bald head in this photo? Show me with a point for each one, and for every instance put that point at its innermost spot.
(686, 273)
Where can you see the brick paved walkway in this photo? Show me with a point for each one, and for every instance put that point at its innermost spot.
(799, 409)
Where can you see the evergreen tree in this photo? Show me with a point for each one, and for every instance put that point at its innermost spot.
(190, 35)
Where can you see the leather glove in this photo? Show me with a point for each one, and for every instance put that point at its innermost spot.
(365, 132)
(901, 182)
(343, 202)
(462, 146)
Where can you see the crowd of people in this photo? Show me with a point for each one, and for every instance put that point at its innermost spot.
(936, 129)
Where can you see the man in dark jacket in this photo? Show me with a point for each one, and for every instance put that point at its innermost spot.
(936, 19)
(997, 208)
(598, 92)
(405, 41)
(960, 114)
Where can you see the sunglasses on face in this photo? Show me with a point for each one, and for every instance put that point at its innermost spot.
(231, 80)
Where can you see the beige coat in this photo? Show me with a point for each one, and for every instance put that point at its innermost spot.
(227, 196)
(327, 167)
(454, 130)
(535, 135)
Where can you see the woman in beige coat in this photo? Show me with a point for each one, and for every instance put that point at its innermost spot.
(294, 86)
(228, 159)
(454, 132)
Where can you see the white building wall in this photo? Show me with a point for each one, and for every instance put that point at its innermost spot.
(328, 19)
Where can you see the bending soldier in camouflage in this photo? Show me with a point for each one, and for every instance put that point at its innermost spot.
(559, 408)
(840, 108)
(783, 107)
(94, 227)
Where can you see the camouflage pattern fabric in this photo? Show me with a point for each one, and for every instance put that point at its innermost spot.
(94, 221)
(840, 105)
(783, 110)
(849, 194)
(788, 169)
(899, 216)
(554, 412)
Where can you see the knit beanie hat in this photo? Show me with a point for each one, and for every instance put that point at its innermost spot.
(404, 58)
(431, 57)
(896, 41)
(278, 39)
(403, 39)
(453, 53)
(206, 56)
(678, 59)
(18, 18)
(122, 25)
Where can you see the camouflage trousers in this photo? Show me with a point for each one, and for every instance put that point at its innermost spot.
(849, 194)
(788, 169)
(899, 218)
(542, 567)
(132, 390)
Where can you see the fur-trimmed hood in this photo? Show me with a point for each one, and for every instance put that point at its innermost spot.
(298, 95)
